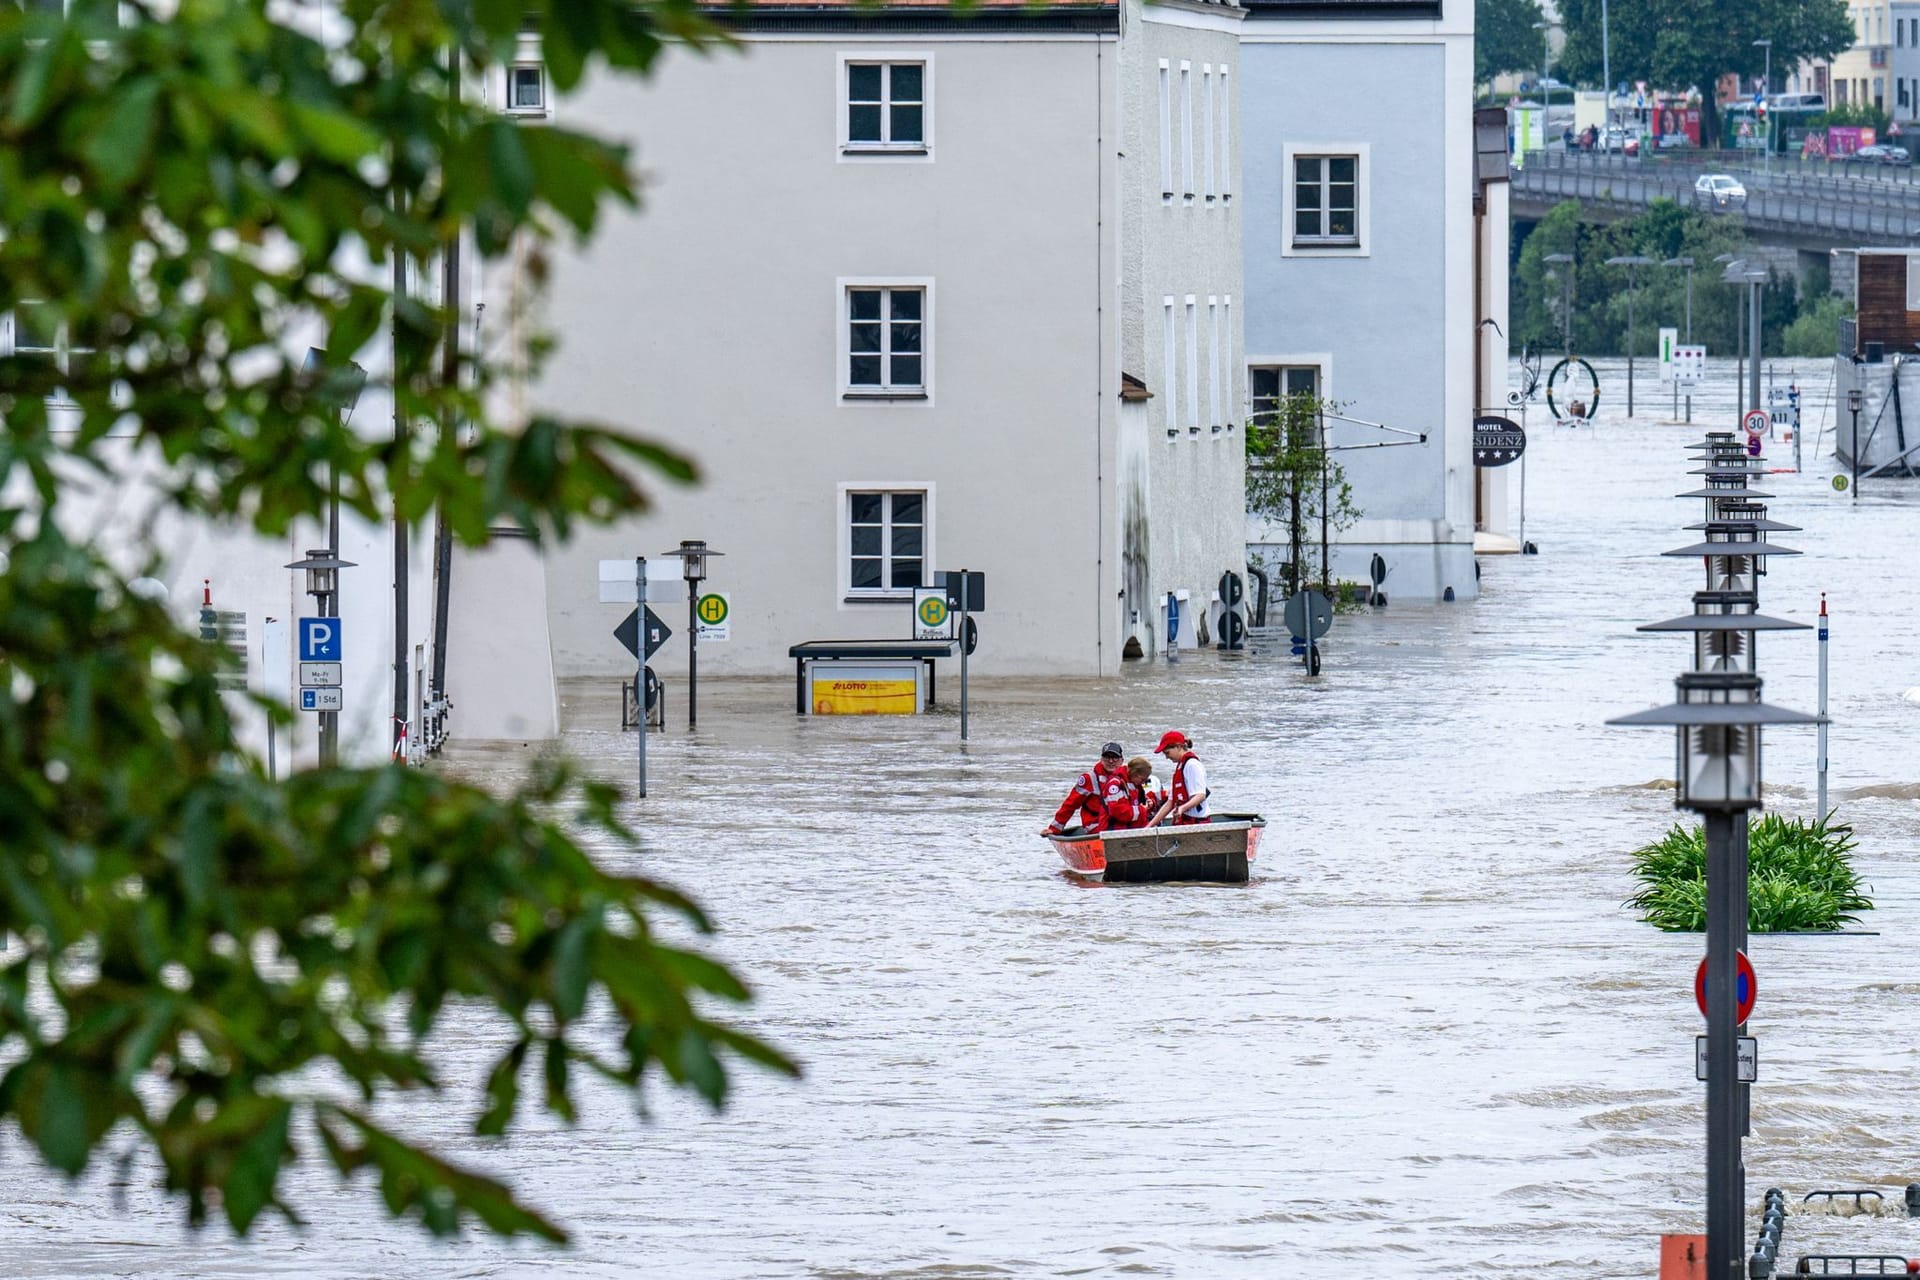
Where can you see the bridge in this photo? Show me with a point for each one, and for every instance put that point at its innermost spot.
(1811, 206)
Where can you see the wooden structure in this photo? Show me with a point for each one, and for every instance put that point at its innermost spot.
(1886, 302)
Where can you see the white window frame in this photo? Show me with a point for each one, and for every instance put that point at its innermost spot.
(539, 112)
(850, 152)
(1362, 154)
(1166, 132)
(1319, 361)
(848, 394)
(1214, 365)
(1226, 138)
(843, 520)
(1170, 360)
(1206, 129)
(1193, 365)
(1186, 130)
(1226, 358)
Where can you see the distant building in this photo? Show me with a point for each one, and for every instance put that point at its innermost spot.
(1860, 74)
(1361, 268)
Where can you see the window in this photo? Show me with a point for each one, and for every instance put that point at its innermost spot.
(526, 90)
(1270, 385)
(1226, 354)
(1213, 363)
(1326, 204)
(1226, 137)
(1193, 365)
(886, 107)
(1166, 132)
(1186, 128)
(886, 541)
(886, 341)
(1206, 126)
(1169, 363)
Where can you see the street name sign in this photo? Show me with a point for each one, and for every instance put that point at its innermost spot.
(322, 700)
(319, 673)
(1748, 1058)
(932, 618)
(320, 640)
(713, 612)
(1746, 986)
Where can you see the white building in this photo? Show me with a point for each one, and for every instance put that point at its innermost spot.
(889, 270)
(1360, 264)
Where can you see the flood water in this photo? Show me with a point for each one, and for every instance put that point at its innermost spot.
(1427, 1035)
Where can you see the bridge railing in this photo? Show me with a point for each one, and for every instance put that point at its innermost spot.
(1792, 214)
(1820, 182)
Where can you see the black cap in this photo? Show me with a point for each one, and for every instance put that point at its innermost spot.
(1112, 749)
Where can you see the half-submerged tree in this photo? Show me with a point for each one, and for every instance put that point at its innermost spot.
(195, 955)
(1293, 480)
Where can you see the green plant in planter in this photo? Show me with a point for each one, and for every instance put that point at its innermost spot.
(1800, 877)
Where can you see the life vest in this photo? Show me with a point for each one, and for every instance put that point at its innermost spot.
(1179, 793)
(1088, 799)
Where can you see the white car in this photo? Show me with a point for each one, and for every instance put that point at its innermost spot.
(1721, 189)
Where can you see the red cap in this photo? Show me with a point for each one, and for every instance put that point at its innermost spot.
(1171, 738)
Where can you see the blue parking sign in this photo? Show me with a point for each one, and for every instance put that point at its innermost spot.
(320, 640)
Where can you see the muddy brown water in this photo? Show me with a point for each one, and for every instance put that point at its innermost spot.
(1427, 1035)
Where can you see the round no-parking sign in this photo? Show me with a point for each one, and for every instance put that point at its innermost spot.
(1745, 985)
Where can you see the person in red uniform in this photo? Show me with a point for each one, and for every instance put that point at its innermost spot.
(1186, 801)
(1093, 791)
(1141, 801)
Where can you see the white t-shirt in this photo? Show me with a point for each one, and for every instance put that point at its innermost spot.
(1195, 775)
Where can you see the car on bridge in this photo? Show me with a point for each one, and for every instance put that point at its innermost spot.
(1723, 190)
(1881, 153)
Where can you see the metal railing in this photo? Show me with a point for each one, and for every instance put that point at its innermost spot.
(1765, 211)
(1814, 180)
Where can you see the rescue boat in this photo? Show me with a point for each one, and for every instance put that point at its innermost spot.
(1217, 852)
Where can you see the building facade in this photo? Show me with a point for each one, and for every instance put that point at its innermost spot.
(875, 290)
(1860, 75)
(1360, 253)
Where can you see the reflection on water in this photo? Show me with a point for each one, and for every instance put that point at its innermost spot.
(1425, 1035)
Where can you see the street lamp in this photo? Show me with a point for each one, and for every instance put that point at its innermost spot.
(1732, 275)
(1686, 262)
(1546, 50)
(1853, 406)
(1630, 261)
(1566, 296)
(693, 555)
(322, 567)
(1766, 91)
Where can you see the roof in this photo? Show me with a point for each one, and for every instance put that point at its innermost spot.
(1342, 8)
(985, 16)
(1132, 390)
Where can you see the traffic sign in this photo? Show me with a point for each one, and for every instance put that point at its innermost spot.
(320, 640)
(1689, 364)
(1839, 484)
(1669, 339)
(319, 673)
(330, 699)
(932, 617)
(1747, 1059)
(1745, 986)
(1308, 614)
(966, 591)
(628, 632)
(713, 610)
(1756, 422)
(1753, 446)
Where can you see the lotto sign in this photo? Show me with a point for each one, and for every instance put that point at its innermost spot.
(714, 611)
(1689, 364)
(932, 618)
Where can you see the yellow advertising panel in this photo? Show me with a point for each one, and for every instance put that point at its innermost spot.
(875, 689)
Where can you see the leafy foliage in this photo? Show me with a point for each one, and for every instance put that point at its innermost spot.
(1800, 877)
(1691, 46)
(196, 955)
(1816, 331)
(1293, 480)
(1503, 37)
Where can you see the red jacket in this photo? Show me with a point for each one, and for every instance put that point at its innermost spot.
(1135, 809)
(1092, 792)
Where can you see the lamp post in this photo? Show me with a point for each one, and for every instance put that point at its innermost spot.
(1766, 89)
(1686, 262)
(1546, 52)
(1853, 407)
(1731, 275)
(1630, 262)
(1755, 277)
(323, 568)
(1717, 717)
(693, 556)
(1564, 261)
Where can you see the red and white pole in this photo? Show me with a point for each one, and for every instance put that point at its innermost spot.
(1821, 750)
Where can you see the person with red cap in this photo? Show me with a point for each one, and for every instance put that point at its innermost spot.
(1093, 792)
(1186, 801)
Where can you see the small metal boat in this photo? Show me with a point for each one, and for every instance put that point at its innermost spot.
(1217, 852)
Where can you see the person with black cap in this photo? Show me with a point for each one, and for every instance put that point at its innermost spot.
(1093, 791)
